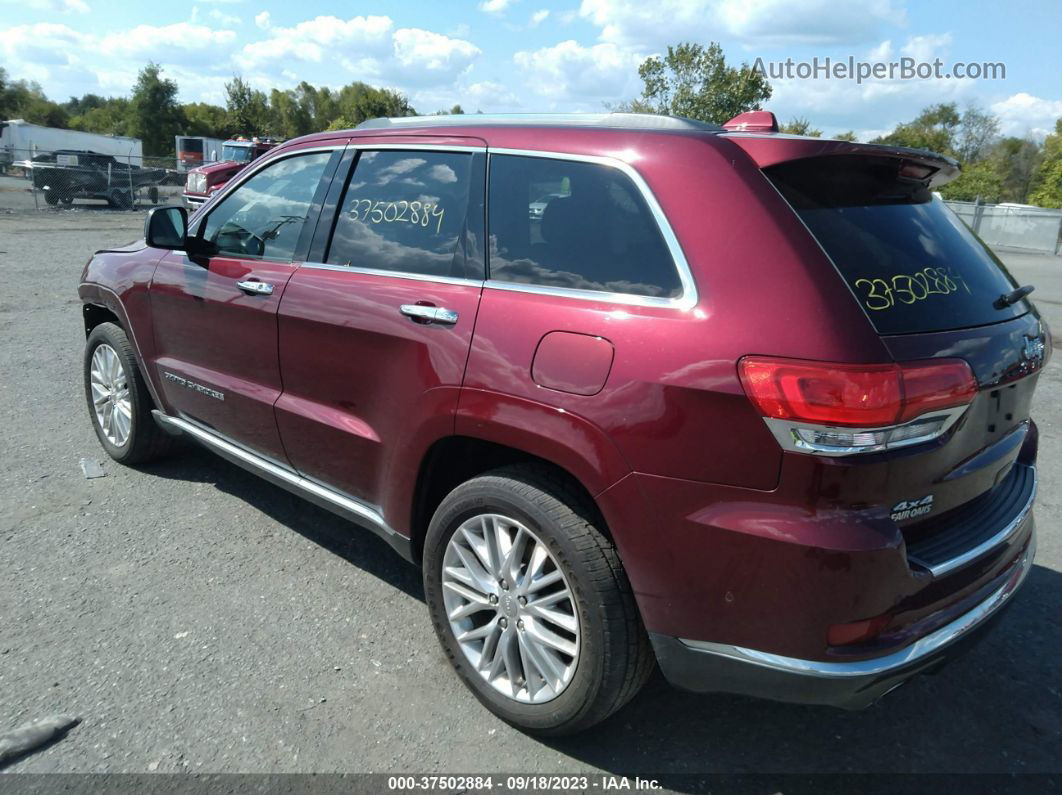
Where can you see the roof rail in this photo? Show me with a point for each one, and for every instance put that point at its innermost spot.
(635, 121)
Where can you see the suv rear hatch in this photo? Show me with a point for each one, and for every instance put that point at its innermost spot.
(933, 291)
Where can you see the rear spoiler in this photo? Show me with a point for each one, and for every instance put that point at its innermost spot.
(769, 149)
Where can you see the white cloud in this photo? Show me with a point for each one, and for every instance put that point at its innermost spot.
(366, 48)
(313, 39)
(926, 48)
(568, 71)
(1024, 114)
(539, 17)
(838, 105)
(421, 49)
(223, 19)
(151, 40)
(495, 6)
(263, 20)
(754, 22)
(59, 6)
(35, 51)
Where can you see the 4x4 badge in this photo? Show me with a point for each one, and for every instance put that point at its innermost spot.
(908, 509)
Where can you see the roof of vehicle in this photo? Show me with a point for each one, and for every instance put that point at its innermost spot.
(617, 120)
(575, 132)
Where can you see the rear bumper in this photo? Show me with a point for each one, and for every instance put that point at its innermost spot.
(712, 667)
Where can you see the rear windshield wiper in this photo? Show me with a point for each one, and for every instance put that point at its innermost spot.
(1012, 297)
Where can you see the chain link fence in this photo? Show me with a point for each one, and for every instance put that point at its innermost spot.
(1013, 225)
(42, 180)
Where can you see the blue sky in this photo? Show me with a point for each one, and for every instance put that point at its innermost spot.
(545, 55)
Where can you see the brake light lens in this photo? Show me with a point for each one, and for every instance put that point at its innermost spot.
(855, 395)
(840, 409)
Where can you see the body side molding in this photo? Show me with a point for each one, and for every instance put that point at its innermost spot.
(340, 504)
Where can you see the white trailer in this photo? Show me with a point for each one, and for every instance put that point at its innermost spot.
(20, 140)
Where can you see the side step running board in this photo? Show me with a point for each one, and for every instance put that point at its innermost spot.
(332, 500)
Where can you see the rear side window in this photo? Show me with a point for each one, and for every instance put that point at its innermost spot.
(909, 260)
(565, 223)
(408, 211)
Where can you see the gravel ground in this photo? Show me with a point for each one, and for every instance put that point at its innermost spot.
(200, 620)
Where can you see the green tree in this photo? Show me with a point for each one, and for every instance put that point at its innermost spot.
(358, 101)
(1046, 188)
(800, 126)
(248, 109)
(978, 180)
(110, 118)
(203, 118)
(977, 132)
(933, 129)
(695, 82)
(846, 136)
(20, 99)
(154, 115)
(1016, 160)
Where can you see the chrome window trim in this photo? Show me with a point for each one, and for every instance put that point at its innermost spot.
(782, 430)
(420, 277)
(415, 147)
(886, 664)
(988, 545)
(689, 296)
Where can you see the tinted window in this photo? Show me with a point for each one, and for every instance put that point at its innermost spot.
(408, 211)
(912, 264)
(265, 215)
(241, 154)
(562, 223)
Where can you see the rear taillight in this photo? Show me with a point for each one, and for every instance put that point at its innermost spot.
(838, 409)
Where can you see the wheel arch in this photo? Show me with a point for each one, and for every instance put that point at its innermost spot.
(453, 460)
(98, 314)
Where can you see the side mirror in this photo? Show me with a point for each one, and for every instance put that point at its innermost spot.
(166, 227)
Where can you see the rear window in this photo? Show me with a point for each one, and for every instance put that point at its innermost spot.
(911, 262)
(192, 145)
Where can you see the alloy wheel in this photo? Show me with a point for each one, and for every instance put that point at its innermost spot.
(510, 608)
(110, 395)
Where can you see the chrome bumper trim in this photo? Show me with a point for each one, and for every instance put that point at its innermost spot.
(911, 655)
(987, 545)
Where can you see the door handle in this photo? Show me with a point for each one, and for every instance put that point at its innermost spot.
(256, 288)
(429, 314)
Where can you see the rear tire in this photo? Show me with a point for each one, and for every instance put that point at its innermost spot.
(118, 399)
(599, 654)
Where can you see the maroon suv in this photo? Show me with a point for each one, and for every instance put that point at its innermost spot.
(629, 389)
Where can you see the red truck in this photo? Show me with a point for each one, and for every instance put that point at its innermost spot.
(236, 154)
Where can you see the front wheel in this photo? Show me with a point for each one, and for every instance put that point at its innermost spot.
(531, 604)
(118, 399)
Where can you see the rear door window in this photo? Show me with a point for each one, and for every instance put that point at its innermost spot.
(912, 264)
(577, 225)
